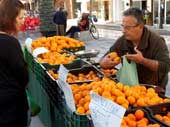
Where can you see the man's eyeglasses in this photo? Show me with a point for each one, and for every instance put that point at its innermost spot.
(128, 27)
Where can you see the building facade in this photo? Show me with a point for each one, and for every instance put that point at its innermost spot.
(111, 10)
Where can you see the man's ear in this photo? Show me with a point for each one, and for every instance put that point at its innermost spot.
(141, 26)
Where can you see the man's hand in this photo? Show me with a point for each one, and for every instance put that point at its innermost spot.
(107, 62)
(137, 58)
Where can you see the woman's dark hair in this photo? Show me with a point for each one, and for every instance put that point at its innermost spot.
(9, 10)
(136, 13)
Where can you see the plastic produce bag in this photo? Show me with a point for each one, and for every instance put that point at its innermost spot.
(34, 107)
(127, 74)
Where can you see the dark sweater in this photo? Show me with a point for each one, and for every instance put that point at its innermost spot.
(60, 17)
(13, 80)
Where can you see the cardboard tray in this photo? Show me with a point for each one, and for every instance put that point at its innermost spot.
(162, 109)
(147, 115)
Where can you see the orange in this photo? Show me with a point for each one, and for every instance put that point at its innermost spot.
(80, 110)
(132, 123)
(139, 114)
(166, 119)
(85, 93)
(86, 106)
(112, 55)
(117, 58)
(88, 112)
(131, 100)
(158, 116)
(131, 116)
(128, 92)
(125, 105)
(106, 94)
(120, 86)
(121, 100)
(87, 98)
(77, 97)
(126, 88)
(141, 102)
(168, 114)
(81, 101)
(143, 121)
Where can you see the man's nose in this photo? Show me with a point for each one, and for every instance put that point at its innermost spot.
(123, 30)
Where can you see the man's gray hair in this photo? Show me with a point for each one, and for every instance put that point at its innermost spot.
(136, 13)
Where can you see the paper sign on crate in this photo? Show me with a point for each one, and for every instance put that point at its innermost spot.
(28, 43)
(39, 51)
(104, 112)
(62, 82)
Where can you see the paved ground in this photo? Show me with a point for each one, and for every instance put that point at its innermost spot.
(107, 38)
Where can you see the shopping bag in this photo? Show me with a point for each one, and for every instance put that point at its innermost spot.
(34, 107)
(127, 74)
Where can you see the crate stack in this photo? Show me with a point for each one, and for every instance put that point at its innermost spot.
(47, 27)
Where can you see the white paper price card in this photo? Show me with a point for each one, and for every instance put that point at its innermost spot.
(28, 43)
(62, 77)
(39, 51)
(104, 112)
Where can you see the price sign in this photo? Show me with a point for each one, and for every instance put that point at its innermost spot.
(104, 112)
(39, 51)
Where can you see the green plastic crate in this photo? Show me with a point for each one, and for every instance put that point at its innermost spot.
(41, 98)
(49, 115)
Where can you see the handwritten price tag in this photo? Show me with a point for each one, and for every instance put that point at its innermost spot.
(104, 112)
(39, 51)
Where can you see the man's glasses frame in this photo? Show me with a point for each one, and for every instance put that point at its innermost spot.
(128, 27)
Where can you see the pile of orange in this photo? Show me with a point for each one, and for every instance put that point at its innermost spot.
(137, 119)
(77, 78)
(122, 94)
(54, 58)
(165, 118)
(56, 43)
(82, 77)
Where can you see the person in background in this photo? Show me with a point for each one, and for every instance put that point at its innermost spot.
(147, 49)
(82, 26)
(13, 69)
(60, 19)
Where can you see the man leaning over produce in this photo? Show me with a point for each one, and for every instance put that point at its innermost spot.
(147, 49)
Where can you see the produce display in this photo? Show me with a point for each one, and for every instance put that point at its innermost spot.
(54, 58)
(138, 118)
(123, 95)
(164, 118)
(56, 46)
(71, 78)
(61, 51)
(57, 43)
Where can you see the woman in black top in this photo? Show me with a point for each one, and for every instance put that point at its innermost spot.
(13, 69)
